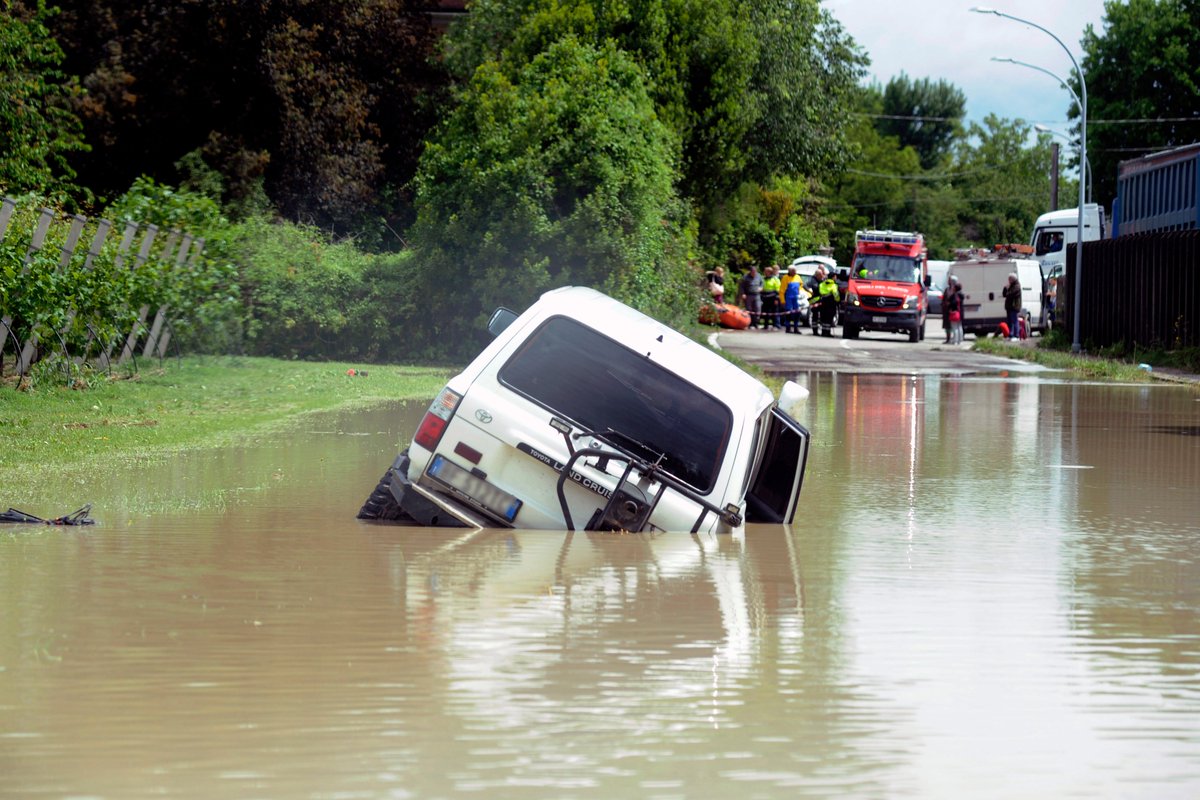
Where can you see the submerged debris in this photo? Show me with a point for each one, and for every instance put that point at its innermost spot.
(78, 517)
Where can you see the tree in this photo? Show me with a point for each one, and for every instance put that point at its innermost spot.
(875, 192)
(807, 75)
(1003, 182)
(751, 89)
(561, 173)
(923, 114)
(36, 126)
(1144, 68)
(320, 104)
(766, 224)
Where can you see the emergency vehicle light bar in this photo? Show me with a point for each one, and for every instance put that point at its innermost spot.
(888, 237)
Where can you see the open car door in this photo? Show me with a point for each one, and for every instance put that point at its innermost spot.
(775, 492)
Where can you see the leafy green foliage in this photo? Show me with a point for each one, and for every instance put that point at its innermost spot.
(987, 189)
(765, 225)
(750, 89)
(297, 288)
(806, 76)
(1002, 180)
(876, 192)
(322, 106)
(82, 301)
(36, 126)
(1145, 65)
(923, 114)
(561, 176)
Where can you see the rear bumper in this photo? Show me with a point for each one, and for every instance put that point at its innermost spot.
(426, 507)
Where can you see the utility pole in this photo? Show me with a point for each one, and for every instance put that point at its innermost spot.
(1054, 176)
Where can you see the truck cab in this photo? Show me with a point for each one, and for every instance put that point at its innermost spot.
(887, 285)
(584, 413)
(1054, 230)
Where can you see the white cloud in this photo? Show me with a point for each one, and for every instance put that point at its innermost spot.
(943, 40)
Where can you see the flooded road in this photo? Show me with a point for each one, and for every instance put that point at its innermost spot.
(992, 590)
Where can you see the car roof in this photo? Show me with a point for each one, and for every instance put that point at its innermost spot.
(656, 341)
(814, 262)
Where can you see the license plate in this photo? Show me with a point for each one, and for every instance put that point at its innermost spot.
(476, 489)
(879, 319)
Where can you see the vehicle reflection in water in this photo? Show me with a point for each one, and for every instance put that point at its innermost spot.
(992, 590)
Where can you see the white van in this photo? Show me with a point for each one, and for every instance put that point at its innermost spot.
(983, 278)
(583, 412)
(937, 271)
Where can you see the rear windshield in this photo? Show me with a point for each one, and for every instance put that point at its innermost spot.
(582, 375)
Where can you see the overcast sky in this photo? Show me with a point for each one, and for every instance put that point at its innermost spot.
(942, 39)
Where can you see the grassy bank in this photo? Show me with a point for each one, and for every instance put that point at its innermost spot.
(1102, 366)
(196, 402)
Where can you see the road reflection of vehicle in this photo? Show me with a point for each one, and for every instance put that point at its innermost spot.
(517, 617)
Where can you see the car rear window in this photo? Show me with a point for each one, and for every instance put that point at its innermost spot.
(582, 375)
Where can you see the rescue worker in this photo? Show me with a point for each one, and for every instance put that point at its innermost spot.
(770, 297)
(828, 298)
(792, 286)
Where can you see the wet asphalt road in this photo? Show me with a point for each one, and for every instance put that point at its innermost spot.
(779, 353)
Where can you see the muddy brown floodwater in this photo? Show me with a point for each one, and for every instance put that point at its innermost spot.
(992, 590)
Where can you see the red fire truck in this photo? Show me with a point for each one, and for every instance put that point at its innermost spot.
(888, 282)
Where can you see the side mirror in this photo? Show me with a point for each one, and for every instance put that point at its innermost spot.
(501, 319)
(791, 395)
(928, 281)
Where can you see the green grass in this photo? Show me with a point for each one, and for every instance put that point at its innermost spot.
(191, 403)
(1054, 351)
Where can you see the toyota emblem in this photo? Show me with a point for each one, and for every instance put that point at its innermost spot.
(483, 416)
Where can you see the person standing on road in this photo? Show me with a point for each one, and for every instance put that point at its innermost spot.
(792, 287)
(1051, 299)
(829, 296)
(1012, 305)
(750, 294)
(946, 307)
(953, 301)
(770, 297)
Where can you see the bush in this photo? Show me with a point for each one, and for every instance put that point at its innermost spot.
(562, 176)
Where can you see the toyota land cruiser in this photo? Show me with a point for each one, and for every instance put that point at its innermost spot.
(583, 411)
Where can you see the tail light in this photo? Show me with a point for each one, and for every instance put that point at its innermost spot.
(433, 425)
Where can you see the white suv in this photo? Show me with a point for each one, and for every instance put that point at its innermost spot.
(585, 412)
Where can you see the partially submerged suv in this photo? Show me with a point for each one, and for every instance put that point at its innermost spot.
(585, 412)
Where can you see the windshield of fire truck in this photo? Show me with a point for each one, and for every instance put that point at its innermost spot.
(887, 268)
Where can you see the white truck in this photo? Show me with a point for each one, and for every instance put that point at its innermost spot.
(984, 274)
(1054, 230)
(583, 412)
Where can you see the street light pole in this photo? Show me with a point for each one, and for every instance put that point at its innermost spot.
(1046, 128)
(1082, 100)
